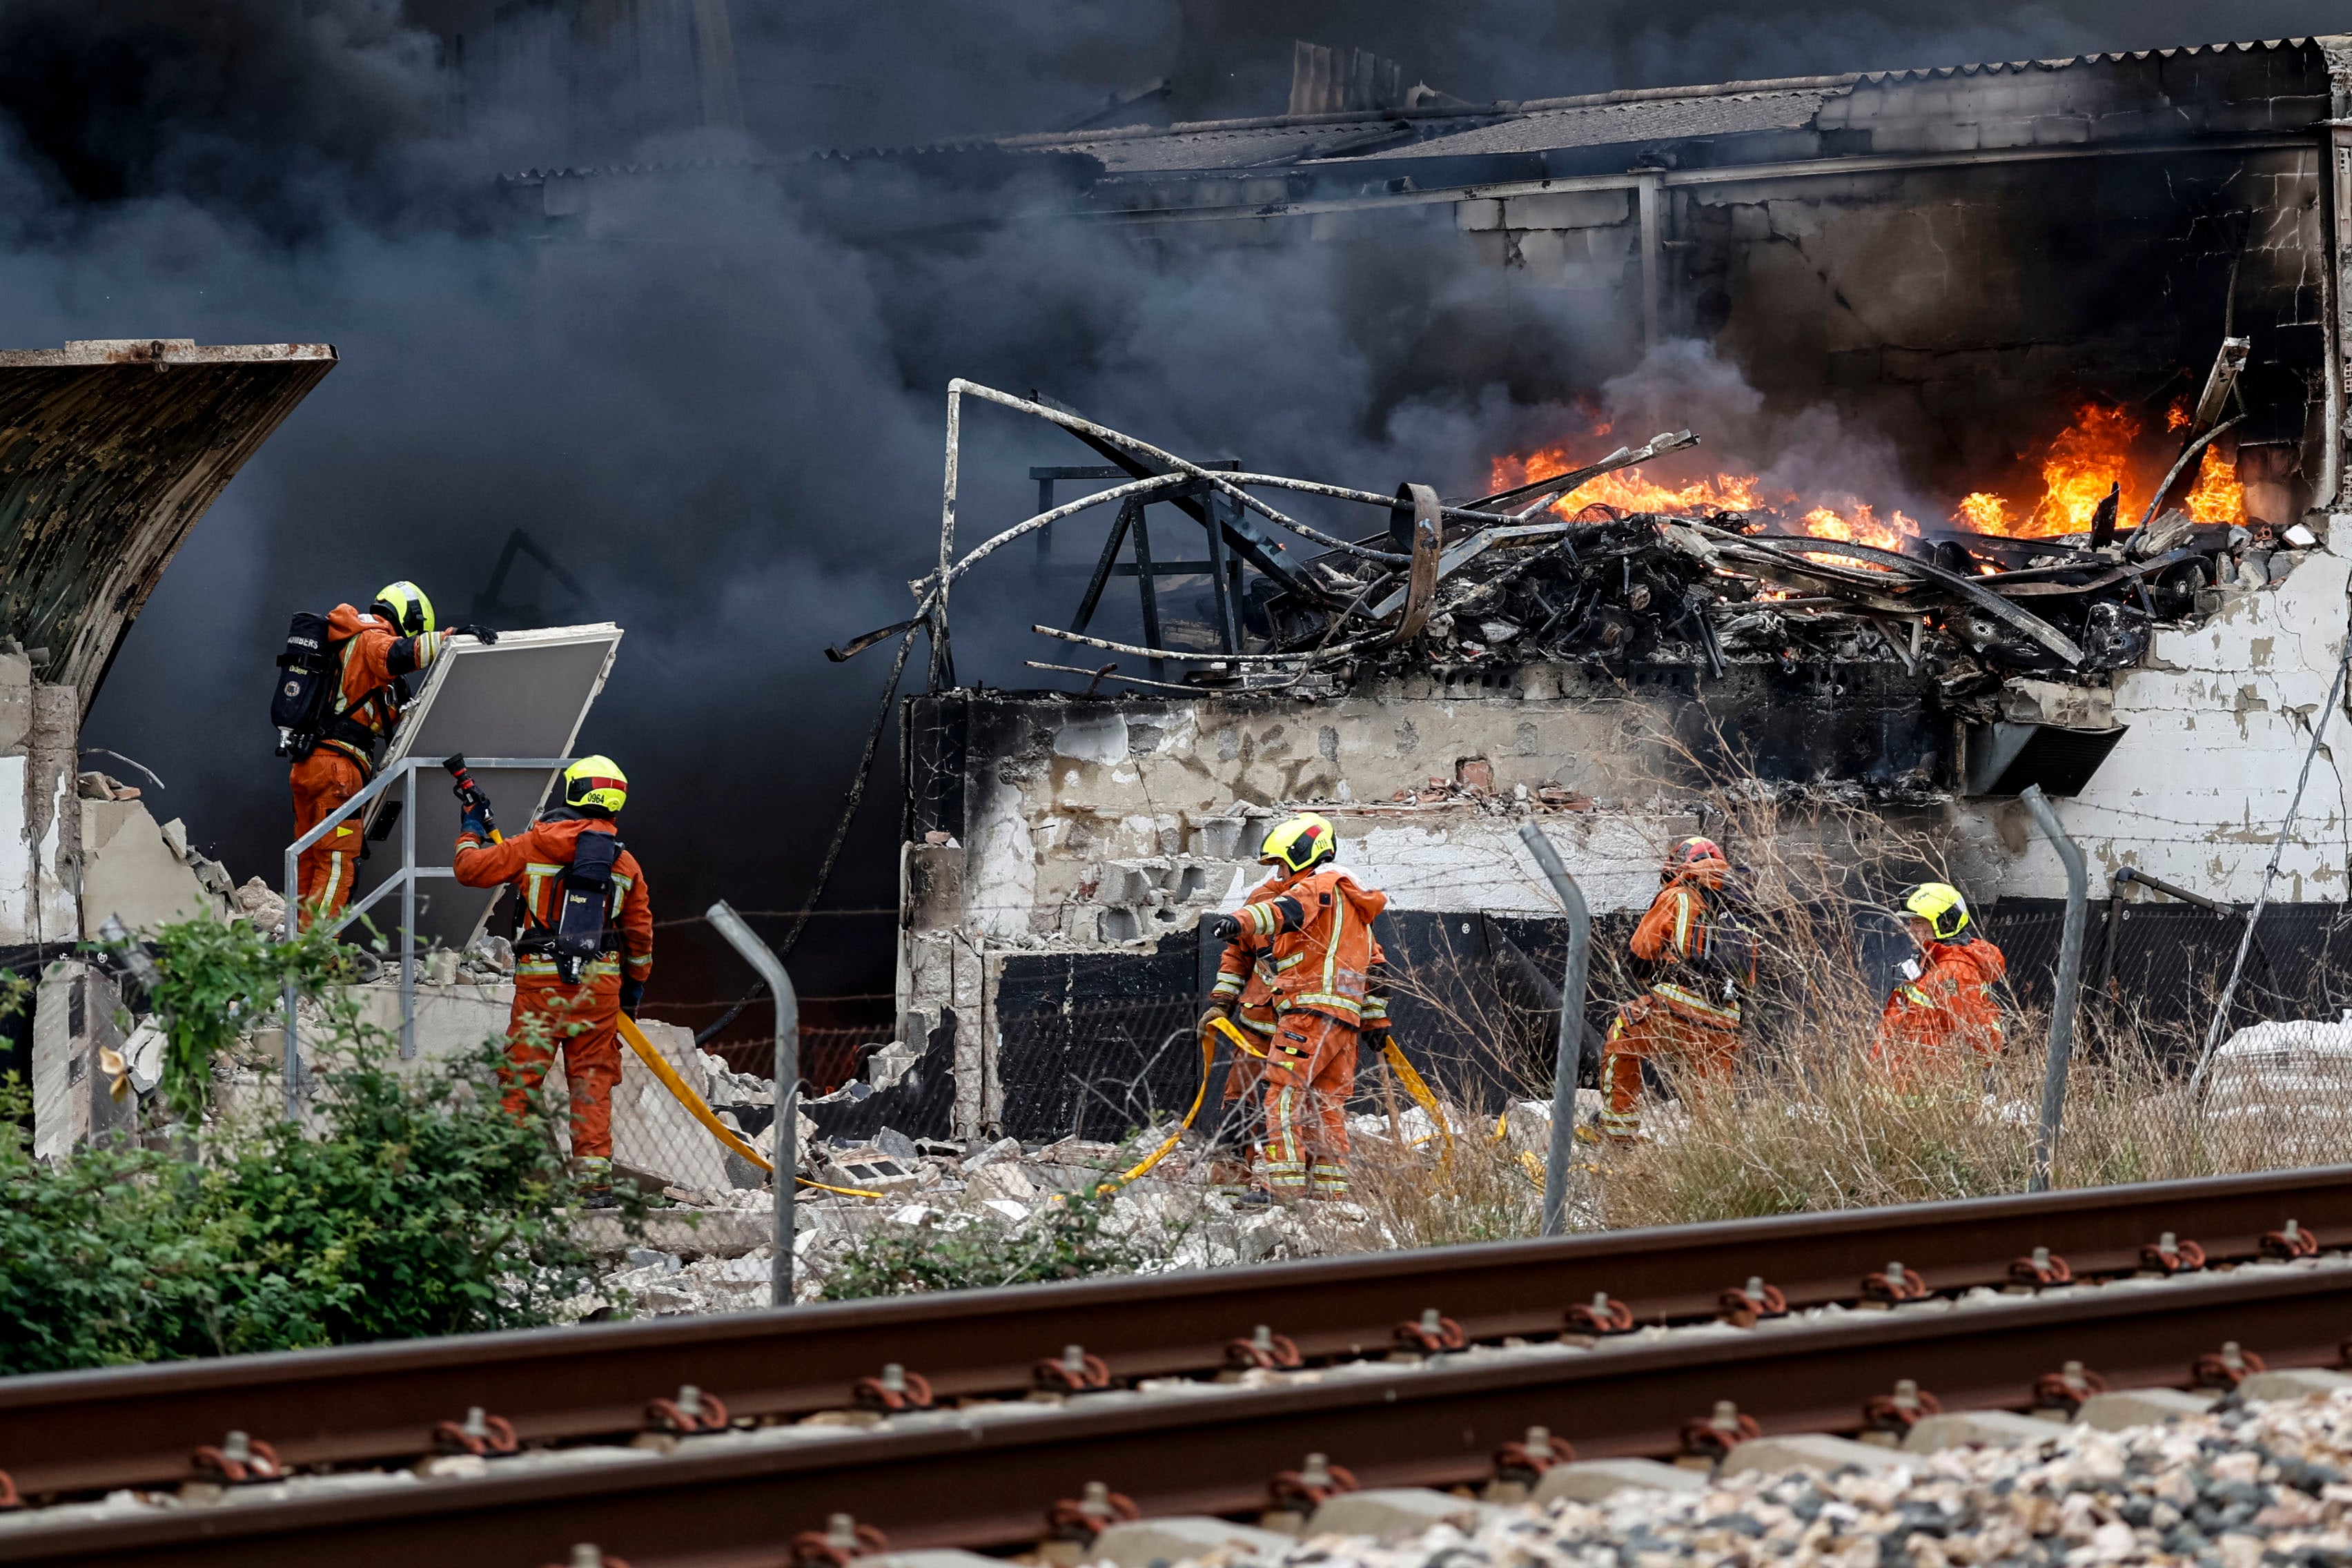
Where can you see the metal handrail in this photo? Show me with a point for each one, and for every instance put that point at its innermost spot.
(405, 880)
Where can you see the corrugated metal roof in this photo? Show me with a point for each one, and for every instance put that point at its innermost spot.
(1240, 146)
(1593, 120)
(1603, 125)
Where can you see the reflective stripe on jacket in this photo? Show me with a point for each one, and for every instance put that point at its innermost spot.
(1669, 943)
(373, 657)
(534, 861)
(1306, 942)
(1951, 1004)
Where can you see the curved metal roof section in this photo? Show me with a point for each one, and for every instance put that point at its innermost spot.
(1627, 116)
(110, 453)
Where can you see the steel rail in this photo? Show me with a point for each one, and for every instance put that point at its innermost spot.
(86, 1431)
(985, 1477)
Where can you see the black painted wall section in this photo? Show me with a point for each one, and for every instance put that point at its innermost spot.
(1095, 1043)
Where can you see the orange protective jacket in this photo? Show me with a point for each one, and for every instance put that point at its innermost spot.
(533, 860)
(1951, 1003)
(1670, 945)
(1306, 942)
(373, 657)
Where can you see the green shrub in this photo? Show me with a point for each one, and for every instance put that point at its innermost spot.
(409, 1204)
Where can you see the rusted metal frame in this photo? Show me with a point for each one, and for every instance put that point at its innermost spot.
(1147, 587)
(1660, 446)
(1367, 497)
(1110, 672)
(136, 1425)
(1127, 512)
(1126, 451)
(1301, 656)
(1850, 590)
(980, 1478)
(1428, 547)
(2035, 586)
(2000, 609)
(1463, 550)
(1229, 636)
(2181, 464)
(1043, 519)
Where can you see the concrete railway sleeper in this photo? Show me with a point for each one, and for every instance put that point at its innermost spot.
(1007, 1475)
(80, 1434)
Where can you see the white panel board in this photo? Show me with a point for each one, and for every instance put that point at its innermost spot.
(525, 696)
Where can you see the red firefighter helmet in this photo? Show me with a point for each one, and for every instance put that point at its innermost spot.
(1694, 855)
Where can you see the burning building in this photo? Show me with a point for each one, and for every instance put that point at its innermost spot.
(2091, 305)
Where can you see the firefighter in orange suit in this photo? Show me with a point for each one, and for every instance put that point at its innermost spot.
(1305, 975)
(1943, 1009)
(395, 638)
(1698, 959)
(583, 953)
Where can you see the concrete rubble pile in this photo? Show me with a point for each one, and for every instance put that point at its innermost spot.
(707, 1251)
(2260, 1484)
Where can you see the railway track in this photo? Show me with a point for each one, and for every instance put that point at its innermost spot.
(984, 1474)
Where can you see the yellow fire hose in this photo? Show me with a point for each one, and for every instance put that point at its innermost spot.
(1413, 1086)
(683, 1092)
(1208, 1059)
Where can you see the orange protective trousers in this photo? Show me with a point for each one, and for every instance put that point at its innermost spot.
(322, 781)
(1309, 1073)
(585, 1019)
(1649, 1029)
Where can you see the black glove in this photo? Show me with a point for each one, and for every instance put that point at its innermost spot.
(481, 634)
(633, 995)
(1220, 928)
(1218, 1007)
(477, 821)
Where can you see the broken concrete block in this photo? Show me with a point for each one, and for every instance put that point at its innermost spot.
(137, 871)
(897, 1145)
(1590, 1480)
(1002, 1149)
(1003, 1180)
(75, 1013)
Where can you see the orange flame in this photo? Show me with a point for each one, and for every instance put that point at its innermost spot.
(1628, 490)
(2216, 496)
(2098, 451)
(2088, 458)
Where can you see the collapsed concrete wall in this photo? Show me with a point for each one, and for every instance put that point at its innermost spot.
(1061, 849)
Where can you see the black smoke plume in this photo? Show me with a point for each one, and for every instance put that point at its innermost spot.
(726, 420)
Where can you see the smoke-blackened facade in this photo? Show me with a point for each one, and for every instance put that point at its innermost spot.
(1988, 271)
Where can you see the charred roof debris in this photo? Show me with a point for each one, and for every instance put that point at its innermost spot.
(1516, 578)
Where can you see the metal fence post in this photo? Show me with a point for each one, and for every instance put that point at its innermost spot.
(786, 1155)
(408, 912)
(1565, 1068)
(2070, 974)
(293, 921)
